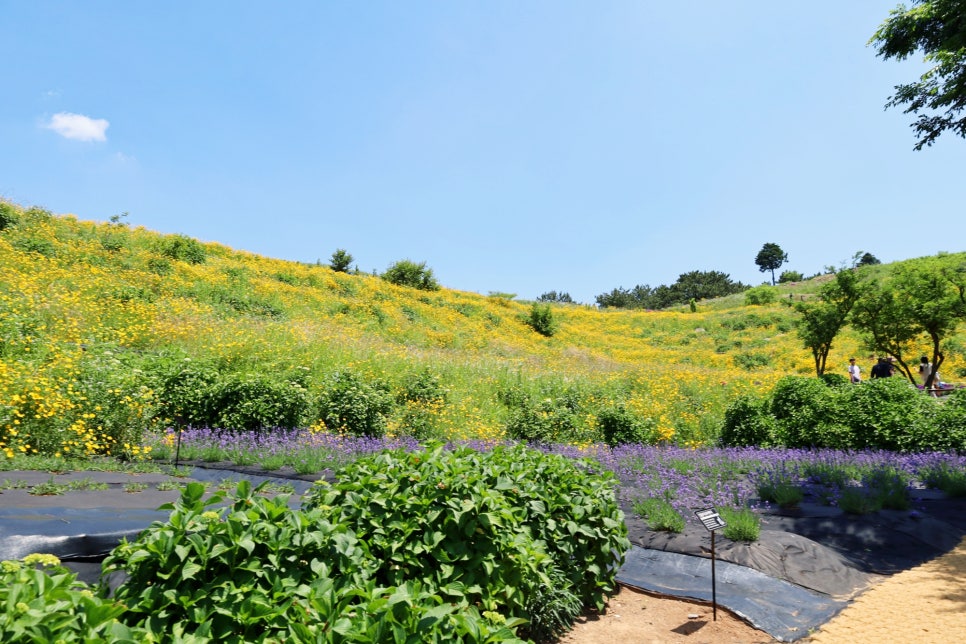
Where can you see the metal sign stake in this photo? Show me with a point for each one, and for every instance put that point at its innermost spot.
(712, 521)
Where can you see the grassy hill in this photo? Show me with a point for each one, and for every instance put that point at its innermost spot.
(107, 331)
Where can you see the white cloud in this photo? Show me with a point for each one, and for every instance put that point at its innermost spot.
(78, 127)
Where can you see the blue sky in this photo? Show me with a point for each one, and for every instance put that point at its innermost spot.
(514, 146)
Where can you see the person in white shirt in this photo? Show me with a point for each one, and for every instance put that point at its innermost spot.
(855, 374)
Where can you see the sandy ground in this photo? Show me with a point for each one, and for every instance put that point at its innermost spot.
(921, 605)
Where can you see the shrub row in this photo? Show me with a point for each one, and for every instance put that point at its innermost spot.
(886, 413)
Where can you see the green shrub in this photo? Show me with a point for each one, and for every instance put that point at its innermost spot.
(354, 406)
(552, 418)
(424, 386)
(748, 422)
(182, 386)
(408, 273)
(8, 215)
(779, 485)
(945, 477)
(44, 602)
(504, 526)
(751, 360)
(253, 401)
(260, 571)
(944, 429)
(853, 500)
(834, 380)
(741, 524)
(890, 485)
(885, 413)
(803, 408)
(540, 319)
(760, 295)
(182, 248)
(620, 426)
(34, 245)
(660, 514)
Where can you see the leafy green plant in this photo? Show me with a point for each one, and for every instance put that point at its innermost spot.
(502, 524)
(49, 488)
(620, 426)
(355, 406)
(541, 319)
(254, 401)
(748, 422)
(660, 514)
(943, 476)
(761, 295)
(8, 215)
(779, 485)
(741, 524)
(409, 273)
(182, 248)
(890, 485)
(44, 602)
(855, 500)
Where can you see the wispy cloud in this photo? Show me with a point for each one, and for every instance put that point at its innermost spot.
(78, 127)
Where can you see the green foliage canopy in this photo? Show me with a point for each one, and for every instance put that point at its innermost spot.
(937, 28)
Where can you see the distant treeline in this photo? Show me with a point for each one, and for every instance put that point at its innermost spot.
(696, 285)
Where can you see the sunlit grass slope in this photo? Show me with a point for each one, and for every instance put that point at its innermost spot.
(87, 309)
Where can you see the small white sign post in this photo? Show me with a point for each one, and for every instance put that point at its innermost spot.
(711, 520)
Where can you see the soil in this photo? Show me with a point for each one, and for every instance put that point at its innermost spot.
(924, 604)
(633, 616)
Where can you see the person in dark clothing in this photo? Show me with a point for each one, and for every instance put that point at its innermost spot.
(881, 369)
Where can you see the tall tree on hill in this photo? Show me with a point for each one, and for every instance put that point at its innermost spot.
(770, 258)
(821, 321)
(937, 28)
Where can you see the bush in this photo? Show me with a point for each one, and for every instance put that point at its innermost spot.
(182, 248)
(549, 417)
(760, 295)
(620, 426)
(944, 429)
(802, 407)
(886, 413)
(790, 276)
(354, 406)
(260, 571)
(504, 526)
(834, 379)
(748, 422)
(253, 402)
(8, 215)
(409, 273)
(540, 319)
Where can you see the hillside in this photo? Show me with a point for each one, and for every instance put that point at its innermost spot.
(97, 321)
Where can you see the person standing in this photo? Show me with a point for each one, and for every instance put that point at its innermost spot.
(855, 374)
(925, 369)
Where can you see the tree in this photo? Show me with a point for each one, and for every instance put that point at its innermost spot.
(790, 276)
(922, 302)
(867, 259)
(822, 321)
(554, 296)
(937, 28)
(770, 258)
(340, 261)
